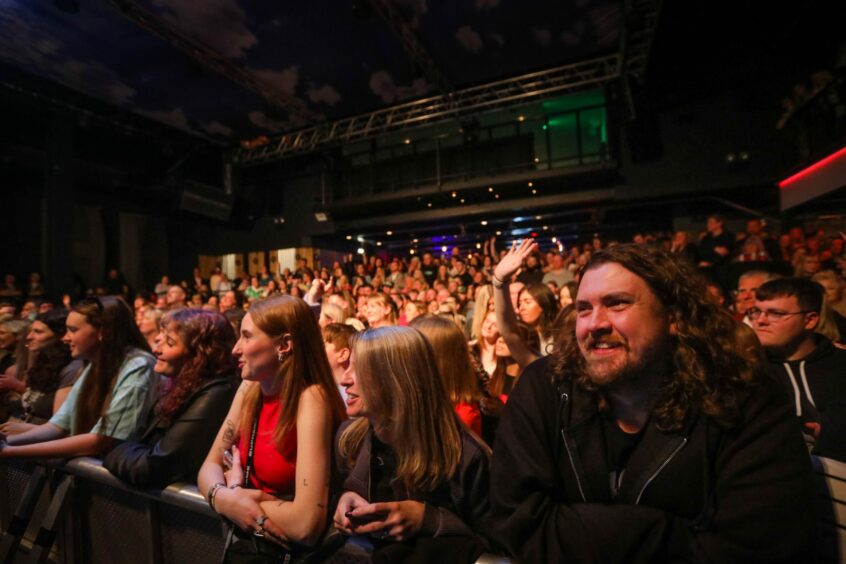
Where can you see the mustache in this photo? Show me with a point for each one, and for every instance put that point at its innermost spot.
(592, 341)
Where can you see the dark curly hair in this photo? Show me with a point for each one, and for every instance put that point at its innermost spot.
(208, 337)
(714, 362)
(45, 365)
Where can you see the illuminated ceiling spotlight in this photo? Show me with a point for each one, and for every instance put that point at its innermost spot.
(534, 191)
(360, 251)
(521, 118)
(462, 200)
(429, 205)
(490, 188)
(389, 233)
(531, 184)
(484, 222)
(455, 194)
(444, 249)
(349, 237)
(408, 141)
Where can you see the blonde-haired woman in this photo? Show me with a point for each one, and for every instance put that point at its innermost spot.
(278, 432)
(416, 481)
(380, 311)
(453, 361)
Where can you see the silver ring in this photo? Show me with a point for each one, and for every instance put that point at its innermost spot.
(261, 521)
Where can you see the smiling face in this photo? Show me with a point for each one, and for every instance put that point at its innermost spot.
(355, 403)
(82, 337)
(255, 352)
(621, 327)
(39, 336)
(170, 351)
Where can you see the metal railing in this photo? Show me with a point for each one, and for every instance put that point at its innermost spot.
(78, 512)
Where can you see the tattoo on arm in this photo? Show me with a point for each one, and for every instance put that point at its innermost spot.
(229, 432)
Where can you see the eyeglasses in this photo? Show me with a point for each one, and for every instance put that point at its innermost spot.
(772, 314)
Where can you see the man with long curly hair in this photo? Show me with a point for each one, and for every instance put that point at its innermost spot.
(647, 436)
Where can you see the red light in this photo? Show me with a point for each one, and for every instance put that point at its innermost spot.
(812, 169)
(533, 234)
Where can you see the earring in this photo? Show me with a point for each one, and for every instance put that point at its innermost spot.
(282, 356)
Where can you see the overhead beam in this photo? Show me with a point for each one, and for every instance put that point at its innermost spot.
(534, 203)
(503, 93)
(640, 19)
(411, 44)
(212, 60)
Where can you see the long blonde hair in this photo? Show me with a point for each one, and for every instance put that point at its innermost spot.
(395, 369)
(305, 366)
(452, 357)
(480, 311)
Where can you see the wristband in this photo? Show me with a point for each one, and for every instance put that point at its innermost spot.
(497, 283)
(213, 492)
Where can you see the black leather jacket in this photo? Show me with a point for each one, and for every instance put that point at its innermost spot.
(174, 454)
(459, 507)
(705, 494)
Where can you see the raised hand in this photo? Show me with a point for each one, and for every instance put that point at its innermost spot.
(513, 259)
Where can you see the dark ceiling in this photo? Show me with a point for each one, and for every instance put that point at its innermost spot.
(324, 59)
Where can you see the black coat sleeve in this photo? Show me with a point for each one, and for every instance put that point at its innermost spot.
(177, 456)
(763, 506)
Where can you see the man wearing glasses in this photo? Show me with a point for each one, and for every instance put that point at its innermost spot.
(809, 367)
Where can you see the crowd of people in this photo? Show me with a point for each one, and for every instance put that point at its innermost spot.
(649, 400)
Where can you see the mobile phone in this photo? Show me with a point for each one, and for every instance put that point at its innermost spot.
(359, 520)
(227, 459)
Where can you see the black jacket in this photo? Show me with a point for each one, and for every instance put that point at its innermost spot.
(744, 494)
(459, 507)
(816, 386)
(165, 455)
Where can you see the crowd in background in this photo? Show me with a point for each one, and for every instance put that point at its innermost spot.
(151, 381)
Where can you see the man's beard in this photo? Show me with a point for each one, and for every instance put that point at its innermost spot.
(622, 369)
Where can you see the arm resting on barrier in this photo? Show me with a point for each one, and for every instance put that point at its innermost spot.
(86, 444)
(38, 434)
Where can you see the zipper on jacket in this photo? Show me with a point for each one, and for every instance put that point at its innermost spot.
(564, 399)
(658, 470)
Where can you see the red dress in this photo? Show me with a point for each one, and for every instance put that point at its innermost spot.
(274, 467)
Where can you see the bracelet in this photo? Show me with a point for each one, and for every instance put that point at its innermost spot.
(497, 283)
(213, 492)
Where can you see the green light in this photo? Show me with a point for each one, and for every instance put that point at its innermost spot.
(544, 127)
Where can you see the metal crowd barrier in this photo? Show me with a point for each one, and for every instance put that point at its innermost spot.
(78, 512)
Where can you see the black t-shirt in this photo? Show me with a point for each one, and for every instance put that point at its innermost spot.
(430, 272)
(619, 446)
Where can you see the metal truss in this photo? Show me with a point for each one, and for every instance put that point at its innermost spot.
(641, 22)
(508, 92)
(413, 48)
(214, 61)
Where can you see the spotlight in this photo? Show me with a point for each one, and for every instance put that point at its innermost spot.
(360, 251)
(484, 222)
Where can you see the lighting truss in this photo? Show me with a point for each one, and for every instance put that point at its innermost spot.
(638, 33)
(415, 50)
(508, 92)
(211, 59)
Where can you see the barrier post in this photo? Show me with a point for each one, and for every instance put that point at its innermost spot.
(17, 527)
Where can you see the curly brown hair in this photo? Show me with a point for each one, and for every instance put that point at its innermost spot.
(713, 361)
(208, 337)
